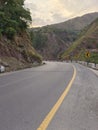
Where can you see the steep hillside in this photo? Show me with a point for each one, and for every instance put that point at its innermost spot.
(51, 41)
(18, 53)
(87, 42)
(16, 50)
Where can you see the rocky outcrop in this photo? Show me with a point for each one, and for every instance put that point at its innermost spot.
(18, 53)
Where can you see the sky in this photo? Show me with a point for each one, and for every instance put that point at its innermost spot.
(46, 12)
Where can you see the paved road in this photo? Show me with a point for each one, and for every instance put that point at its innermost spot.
(27, 96)
(79, 110)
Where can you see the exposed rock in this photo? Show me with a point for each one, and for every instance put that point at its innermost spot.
(18, 53)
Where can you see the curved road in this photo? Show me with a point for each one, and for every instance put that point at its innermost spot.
(27, 96)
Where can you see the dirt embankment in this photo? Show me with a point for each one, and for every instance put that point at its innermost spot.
(18, 53)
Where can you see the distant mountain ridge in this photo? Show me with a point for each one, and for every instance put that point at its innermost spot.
(77, 23)
(60, 36)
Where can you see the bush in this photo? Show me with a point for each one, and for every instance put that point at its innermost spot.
(38, 39)
(12, 23)
(13, 17)
(10, 32)
(0, 33)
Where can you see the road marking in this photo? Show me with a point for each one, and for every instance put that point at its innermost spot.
(53, 111)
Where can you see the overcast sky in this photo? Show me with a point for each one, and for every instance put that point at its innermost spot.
(45, 12)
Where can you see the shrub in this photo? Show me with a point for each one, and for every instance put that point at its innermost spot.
(13, 17)
(10, 32)
(38, 39)
(0, 33)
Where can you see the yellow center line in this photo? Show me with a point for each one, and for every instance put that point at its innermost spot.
(53, 111)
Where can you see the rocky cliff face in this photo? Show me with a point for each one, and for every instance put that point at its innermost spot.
(18, 53)
(56, 44)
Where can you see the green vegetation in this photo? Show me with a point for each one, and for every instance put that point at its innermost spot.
(70, 50)
(94, 57)
(16, 51)
(87, 40)
(14, 18)
(39, 39)
(40, 36)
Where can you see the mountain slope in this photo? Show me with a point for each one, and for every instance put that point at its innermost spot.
(50, 42)
(87, 42)
(58, 37)
(18, 53)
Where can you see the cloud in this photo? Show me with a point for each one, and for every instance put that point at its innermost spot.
(52, 11)
(78, 7)
(58, 17)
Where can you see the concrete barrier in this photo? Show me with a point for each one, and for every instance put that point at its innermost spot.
(91, 65)
(97, 66)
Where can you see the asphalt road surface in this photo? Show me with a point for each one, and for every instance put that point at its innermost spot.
(27, 96)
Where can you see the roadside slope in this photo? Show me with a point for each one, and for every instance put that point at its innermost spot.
(86, 42)
(18, 53)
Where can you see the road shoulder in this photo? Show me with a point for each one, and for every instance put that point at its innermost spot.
(95, 71)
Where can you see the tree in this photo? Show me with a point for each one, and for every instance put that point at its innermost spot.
(13, 16)
(39, 39)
